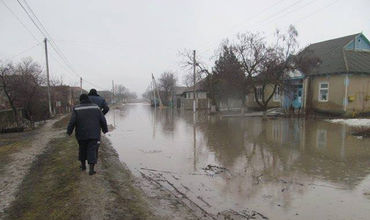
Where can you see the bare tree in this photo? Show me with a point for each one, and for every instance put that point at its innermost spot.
(123, 94)
(187, 64)
(167, 84)
(120, 93)
(30, 94)
(268, 66)
(251, 51)
(7, 85)
(22, 85)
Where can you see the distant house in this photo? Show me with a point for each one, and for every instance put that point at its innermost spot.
(176, 99)
(274, 102)
(200, 96)
(3, 100)
(340, 84)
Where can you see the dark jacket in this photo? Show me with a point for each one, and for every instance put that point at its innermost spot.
(100, 101)
(88, 120)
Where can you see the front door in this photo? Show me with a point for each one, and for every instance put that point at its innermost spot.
(297, 101)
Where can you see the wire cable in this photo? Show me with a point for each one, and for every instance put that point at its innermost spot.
(38, 24)
(20, 21)
(20, 53)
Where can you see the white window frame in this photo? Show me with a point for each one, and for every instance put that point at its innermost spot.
(276, 97)
(327, 97)
(259, 94)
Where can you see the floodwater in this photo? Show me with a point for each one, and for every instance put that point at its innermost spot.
(282, 168)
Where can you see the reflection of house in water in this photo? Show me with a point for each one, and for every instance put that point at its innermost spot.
(265, 155)
(289, 147)
(320, 149)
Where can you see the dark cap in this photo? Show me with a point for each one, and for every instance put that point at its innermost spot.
(93, 92)
(84, 97)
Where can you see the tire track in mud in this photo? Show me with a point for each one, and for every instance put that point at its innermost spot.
(194, 202)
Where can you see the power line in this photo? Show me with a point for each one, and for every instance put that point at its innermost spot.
(289, 12)
(72, 73)
(280, 14)
(253, 16)
(20, 21)
(282, 10)
(318, 10)
(36, 21)
(50, 39)
(22, 52)
(30, 17)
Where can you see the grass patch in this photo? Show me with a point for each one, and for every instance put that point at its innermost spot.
(130, 200)
(8, 149)
(12, 143)
(63, 122)
(50, 190)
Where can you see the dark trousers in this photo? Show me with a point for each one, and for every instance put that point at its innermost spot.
(88, 150)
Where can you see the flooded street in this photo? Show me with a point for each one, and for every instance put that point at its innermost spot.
(281, 168)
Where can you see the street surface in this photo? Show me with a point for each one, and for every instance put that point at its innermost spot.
(275, 168)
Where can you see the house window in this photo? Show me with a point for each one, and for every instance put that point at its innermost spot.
(259, 93)
(277, 94)
(324, 92)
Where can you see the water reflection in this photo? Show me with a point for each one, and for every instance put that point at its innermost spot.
(276, 166)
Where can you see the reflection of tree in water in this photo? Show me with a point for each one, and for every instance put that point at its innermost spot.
(284, 153)
(167, 119)
(332, 154)
(225, 138)
(281, 157)
(118, 112)
(298, 148)
(284, 146)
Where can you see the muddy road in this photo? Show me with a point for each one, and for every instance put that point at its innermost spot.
(276, 169)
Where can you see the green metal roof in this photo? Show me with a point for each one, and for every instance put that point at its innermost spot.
(335, 59)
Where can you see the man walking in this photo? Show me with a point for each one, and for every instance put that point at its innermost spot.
(88, 120)
(100, 101)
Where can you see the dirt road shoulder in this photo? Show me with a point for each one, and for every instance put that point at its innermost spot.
(54, 187)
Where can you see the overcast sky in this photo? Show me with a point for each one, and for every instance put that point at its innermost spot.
(126, 41)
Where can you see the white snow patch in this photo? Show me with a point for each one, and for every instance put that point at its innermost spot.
(358, 122)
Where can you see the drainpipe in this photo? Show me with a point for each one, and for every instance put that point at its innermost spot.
(305, 91)
(346, 83)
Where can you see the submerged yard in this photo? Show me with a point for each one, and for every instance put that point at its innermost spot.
(276, 168)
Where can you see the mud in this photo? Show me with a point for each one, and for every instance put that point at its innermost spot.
(246, 168)
(51, 184)
(20, 161)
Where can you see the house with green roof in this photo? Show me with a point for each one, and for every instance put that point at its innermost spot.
(340, 84)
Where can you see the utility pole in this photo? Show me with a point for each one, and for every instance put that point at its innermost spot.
(70, 99)
(47, 75)
(194, 80)
(155, 104)
(112, 91)
(159, 97)
(81, 85)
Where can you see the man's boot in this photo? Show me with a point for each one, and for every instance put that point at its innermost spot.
(83, 165)
(91, 169)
